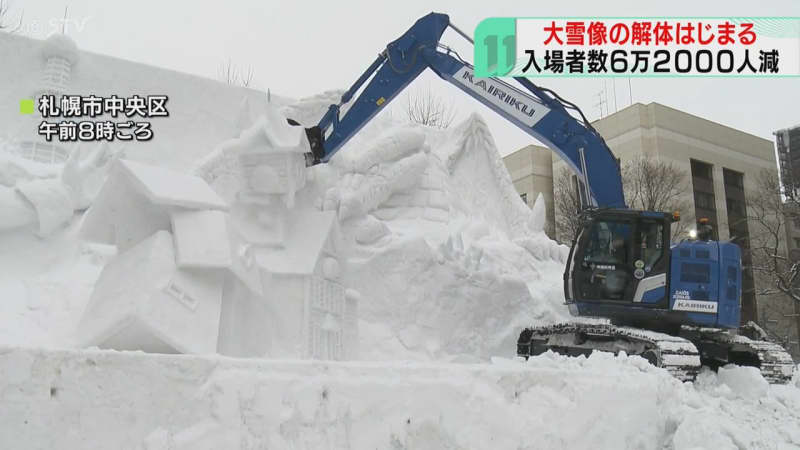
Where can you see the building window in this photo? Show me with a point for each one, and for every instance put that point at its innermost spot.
(736, 207)
(704, 200)
(733, 178)
(524, 197)
(797, 242)
(701, 170)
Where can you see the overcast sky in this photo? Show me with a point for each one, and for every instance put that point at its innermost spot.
(299, 48)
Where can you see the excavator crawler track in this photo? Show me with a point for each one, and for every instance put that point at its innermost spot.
(771, 359)
(681, 355)
(675, 354)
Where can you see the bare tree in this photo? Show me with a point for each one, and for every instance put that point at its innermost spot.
(777, 269)
(429, 109)
(767, 213)
(652, 184)
(5, 9)
(229, 73)
(567, 204)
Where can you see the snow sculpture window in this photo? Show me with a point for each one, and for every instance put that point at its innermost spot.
(327, 318)
(56, 75)
(42, 152)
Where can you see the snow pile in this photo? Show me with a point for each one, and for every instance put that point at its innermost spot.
(82, 399)
(746, 382)
(450, 262)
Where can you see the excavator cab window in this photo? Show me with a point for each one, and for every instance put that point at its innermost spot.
(605, 260)
(617, 252)
(651, 239)
(608, 243)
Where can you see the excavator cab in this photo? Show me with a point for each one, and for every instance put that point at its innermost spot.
(619, 258)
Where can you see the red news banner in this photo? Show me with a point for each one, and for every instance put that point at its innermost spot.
(657, 47)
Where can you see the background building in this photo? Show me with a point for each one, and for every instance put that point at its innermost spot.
(721, 162)
(787, 142)
(787, 316)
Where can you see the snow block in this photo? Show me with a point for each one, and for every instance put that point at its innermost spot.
(201, 239)
(745, 382)
(136, 201)
(143, 301)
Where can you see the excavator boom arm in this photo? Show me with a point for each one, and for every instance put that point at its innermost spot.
(530, 108)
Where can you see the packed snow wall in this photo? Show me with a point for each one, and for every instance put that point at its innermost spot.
(133, 400)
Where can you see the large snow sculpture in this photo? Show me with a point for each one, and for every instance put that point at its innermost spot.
(295, 246)
(163, 292)
(41, 198)
(256, 276)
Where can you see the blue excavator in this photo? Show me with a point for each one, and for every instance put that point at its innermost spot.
(676, 305)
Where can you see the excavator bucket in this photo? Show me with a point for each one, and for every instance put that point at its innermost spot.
(315, 141)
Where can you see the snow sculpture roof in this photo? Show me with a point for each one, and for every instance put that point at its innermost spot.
(273, 134)
(136, 200)
(170, 188)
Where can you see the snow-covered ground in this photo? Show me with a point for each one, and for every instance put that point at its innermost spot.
(449, 264)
